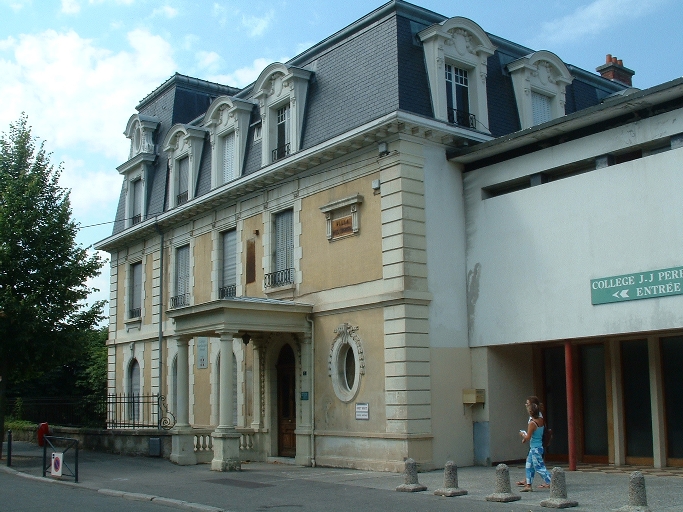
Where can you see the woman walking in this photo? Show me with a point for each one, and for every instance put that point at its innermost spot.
(534, 434)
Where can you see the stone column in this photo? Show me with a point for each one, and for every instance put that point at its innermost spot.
(257, 420)
(226, 440)
(304, 427)
(182, 445)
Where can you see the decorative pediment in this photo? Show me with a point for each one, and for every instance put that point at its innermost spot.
(543, 73)
(140, 130)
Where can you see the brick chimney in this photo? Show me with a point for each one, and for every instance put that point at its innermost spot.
(613, 69)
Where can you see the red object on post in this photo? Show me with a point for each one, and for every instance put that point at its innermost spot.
(43, 430)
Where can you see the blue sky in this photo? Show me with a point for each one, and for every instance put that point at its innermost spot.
(78, 68)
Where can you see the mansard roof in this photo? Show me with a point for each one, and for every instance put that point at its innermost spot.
(373, 68)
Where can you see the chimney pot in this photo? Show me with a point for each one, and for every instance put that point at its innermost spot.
(620, 62)
(614, 60)
(608, 58)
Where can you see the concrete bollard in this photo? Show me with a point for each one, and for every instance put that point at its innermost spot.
(450, 481)
(558, 492)
(503, 492)
(637, 498)
(410, 478)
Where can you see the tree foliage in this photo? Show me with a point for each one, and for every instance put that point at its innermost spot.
(43, 271)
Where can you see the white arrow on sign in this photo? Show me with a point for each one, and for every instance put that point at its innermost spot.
(623, 294)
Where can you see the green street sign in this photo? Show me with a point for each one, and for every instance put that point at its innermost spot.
(640, 285)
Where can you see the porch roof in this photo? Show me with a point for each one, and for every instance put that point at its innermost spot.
(241, 315)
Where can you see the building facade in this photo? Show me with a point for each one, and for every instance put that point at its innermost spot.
(357, 229)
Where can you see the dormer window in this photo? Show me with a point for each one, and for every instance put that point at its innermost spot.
(141, 131)
(137, 202)
(281, 92)
(456, 54)
(539, 81)
(183, 175)
(458, 97)
(183, 145)
(227, 120)
(282, 148)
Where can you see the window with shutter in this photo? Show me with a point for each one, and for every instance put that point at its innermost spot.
(182, 280)
(229, 157)
(135, 299)
(229, 264)
(284, 240)
(137, 202)
(540, 105)
(183, 177)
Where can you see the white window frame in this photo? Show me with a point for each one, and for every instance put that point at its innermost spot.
(227, 117)
(463, 44)
(276, 87)
(134, 295)
(183, 141)
(542, 73)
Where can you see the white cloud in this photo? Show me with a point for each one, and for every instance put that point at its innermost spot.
(16, 5)
(189, 41)
(208, 60)
(166, 11)
(255, 25)
(220, 13)
(71, 6)
(90, 189)
(78, 95)
(591, 19)
(246, 75)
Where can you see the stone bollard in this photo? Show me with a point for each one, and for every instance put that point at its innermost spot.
(558, 492)
(410, 478)
(503, 491)
(450, 481)
(637, 499)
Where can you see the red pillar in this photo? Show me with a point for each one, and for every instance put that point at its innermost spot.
(569, 384)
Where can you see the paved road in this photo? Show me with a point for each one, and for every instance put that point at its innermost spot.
(282, 488)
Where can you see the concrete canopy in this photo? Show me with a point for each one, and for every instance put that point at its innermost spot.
(241, 315)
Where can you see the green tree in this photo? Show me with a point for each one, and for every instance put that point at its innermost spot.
(43, 271)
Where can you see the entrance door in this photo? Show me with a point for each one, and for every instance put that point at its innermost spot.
(672, 362)
(555, 389)
(286, 402)
(637, 405)
(594, 404)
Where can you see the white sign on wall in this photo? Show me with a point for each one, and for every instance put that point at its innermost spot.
(362, 411)
(202, 352)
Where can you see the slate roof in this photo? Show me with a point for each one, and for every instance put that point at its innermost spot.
(371, 68)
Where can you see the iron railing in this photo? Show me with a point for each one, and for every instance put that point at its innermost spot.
(181, 198)
(462, 118)
(281, 152)
(226, 292)
(180, 301)
(120, 410)
(278, 278)
(132, 410)
(134, 313)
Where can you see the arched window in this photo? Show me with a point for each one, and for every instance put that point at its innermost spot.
(134, 391)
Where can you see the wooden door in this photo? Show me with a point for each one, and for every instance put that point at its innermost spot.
(286, 402)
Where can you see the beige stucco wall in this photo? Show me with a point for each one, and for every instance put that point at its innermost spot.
(331, 414)
(202, 268)
(120, 369)
(451, 420)
(120, 294)
(251, 224)
(202, 391)
(350, 260)
(147, 384)
(149, 274)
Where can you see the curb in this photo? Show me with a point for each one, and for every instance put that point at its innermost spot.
(133, 496)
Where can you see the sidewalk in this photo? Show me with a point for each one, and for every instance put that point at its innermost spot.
(262, 486)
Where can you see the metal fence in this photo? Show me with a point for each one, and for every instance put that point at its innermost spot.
(121, 410)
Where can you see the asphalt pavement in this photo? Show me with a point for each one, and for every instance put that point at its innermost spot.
(282, 487)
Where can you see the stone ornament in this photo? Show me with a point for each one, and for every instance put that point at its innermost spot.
(503, 492)
(450, 482)
(410, 479)
(558, 492)
(346, 340)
